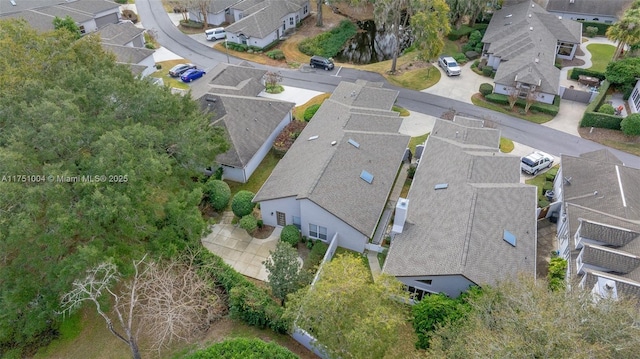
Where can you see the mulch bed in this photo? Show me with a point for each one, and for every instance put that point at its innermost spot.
(263, 233)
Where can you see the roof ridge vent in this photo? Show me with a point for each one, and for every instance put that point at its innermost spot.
(510, 15)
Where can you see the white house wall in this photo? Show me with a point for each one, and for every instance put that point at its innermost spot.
(287, 205)
(634, 99)
(451, 285)
(234, 174)
(541, 96)
(580, 17)
(349, 237)
(212, 19)
(150, 65)
(89, 26)
(264, 149)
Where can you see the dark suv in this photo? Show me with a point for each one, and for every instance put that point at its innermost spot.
(179, 69)
(321, 62)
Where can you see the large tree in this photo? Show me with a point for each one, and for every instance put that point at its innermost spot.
(626, 31)
(97, 165)
(349, 314)
(285, 271)
(525, 319)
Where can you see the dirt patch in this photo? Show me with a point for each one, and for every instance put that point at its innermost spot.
(263, 233)
(359, 13)
(601, 135)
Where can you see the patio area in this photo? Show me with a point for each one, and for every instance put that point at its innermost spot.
(239, 250)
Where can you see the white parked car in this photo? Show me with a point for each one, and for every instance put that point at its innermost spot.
(449, 65)
(535, 162)
(217, 33)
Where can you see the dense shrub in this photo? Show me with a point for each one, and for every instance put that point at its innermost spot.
(328, 44)
(600, 120)
(631, 125)
(487, 71)
(218, 193)
(411, 172)
(241, 348)
(557, 273)
(191, 24)
(276, 54)
(237, 47)
(290, 234)
(547, 186)
(591, 31)
(456, 34)
(241, 204)
(310, 111)
(602, 28)
(576, 72)
(460, 58)
(486, 89)
(318, 250)
(498, 98)
(542, 203)
(249, 223)
(607, 109)
(434, 311)
(474, 43)
(247, 302)
(623, 72)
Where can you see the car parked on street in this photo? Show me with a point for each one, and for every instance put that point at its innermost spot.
(321, 62)
(535, 162)
(449, 65)
(192, 74)
(179, 69)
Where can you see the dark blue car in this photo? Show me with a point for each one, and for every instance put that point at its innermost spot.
(192, 74)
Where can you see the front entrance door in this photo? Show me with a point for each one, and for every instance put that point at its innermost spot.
(281, 219)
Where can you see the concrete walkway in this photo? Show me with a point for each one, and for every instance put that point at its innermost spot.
(374, 265)
(239, 250)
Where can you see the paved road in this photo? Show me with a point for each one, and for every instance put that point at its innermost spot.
(544, 138)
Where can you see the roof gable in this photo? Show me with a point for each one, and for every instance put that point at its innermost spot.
(119, 34)
(589, 7)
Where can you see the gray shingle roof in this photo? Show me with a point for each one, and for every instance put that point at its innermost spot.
(217, 6)
(62, 12)
(90, 6)
(525, 36)
(37, 20)
(601, 200)
(248, 121)
(236, 80)
(264, 18)
(128, 54)
(312, 168)
(246, 4)
(459, 230)
(589, 7)
(119, 34)
(86, 6)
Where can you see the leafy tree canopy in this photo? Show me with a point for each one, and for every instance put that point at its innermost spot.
(631, 125)
(623, 72)
(285, 274)
(360, 318)
(67, 23)
(525, 319)
(96, 165)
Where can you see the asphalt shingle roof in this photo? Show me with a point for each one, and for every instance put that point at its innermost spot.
(119, 34)
(241, 80)
(525, 37)
(459, 230)
(128, 54)
(601, 199)
(248, 121)
(90, 6)
(264, 17)
(217, 6)
(329, 175)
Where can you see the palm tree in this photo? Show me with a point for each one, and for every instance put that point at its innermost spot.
(626, 31)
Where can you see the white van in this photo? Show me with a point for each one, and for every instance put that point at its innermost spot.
(215, 34)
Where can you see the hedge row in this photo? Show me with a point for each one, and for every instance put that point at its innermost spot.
(602, 28)
(600, 120)
(578, 71)
(192, 24)
(551, 109)
(329, 44)
(247, 302)
(595, 104)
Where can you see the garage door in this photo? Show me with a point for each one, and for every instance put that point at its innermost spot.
(106, 20)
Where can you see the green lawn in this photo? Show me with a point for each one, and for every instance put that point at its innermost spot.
(417, 141)
(506, 145)
(258, 177)
(517, 112)
(450, 47)
(163, 73)
(601, 55)
(419, 79)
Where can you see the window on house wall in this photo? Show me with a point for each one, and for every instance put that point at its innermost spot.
(523, 90)
(227, 11)
(635, 97)
(297, 222)
(82, 30)
(291, 21)
(416, 293)
(316, 231)
(305, 9)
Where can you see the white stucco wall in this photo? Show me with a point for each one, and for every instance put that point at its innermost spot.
(349, 237)
(266, 146)
(231, 37)
(595, 18)
(451, 285)
(234, 174)
(89, 26)
(150, 65)
(212, 19)
(287, 205)
(541, 97)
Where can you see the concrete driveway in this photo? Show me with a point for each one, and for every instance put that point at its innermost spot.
(241, 251)
(459, 88)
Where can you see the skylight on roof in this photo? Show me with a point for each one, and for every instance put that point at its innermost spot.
(368, 177)
(315, 137)
(509, 238)
(353, 143)
(441, 186)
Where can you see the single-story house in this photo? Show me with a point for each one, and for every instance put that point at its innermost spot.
(139, 59)
(605, 11)
(467, 221)
(251, 125)
(335, 180)
(267, 21)
(242, 79)
(122, 34)
(522, 43)
(219, 11)
(90, 15)
(599, 223)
